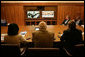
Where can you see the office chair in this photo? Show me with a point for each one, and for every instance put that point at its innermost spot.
(78, 50)
(10, 50)
(43, 52)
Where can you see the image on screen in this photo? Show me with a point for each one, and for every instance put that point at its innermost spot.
(47, 14)
(33, 14)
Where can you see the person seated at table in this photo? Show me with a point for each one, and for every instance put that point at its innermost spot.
(43, 38)
(67, 19)
(78, 21)
(12, 36)
(71, 36)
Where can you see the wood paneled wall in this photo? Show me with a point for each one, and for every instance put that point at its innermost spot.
(14, 13)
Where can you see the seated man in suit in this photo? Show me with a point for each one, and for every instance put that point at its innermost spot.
(78, 21)
(71, 36)
(67, 19)
(42, 38)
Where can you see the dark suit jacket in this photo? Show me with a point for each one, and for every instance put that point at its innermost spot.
(71, 37)
(65, 21)
(80, 22)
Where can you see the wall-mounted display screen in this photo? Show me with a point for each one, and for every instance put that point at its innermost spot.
(33, 14)
(47, 14)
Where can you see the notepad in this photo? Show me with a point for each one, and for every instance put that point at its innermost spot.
(61, 34)
(82, 26)
(82, 33)
(23, 33)
(36, 28)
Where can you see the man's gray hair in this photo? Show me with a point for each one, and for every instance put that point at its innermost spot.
(42, 25)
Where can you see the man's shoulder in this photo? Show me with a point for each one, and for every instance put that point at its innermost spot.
(79, 30)
(50, 32)
(64, 19)
(44, 32)
(66, 30)
(36, 32)
(81, 20)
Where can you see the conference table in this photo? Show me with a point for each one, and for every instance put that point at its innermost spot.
(56, 29)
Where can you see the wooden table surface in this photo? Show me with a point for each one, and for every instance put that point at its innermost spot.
(52, 28)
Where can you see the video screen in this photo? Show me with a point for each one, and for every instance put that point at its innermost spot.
(33, 14)
(47, 14)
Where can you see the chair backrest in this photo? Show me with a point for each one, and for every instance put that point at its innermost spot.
(43, 52)
(10, 50)
(78, 50)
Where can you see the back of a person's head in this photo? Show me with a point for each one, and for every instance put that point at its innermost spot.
(13, 29)
(67, 17)
(72, 25)
(42, 26)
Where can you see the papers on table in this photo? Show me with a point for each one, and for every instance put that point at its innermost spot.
(23, 33)
(36, 28)
(2, 37)
(82, 26)
(82, 33)
(61, 34)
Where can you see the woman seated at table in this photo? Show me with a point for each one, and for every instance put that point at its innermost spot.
(13, 37)
(42, 38)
